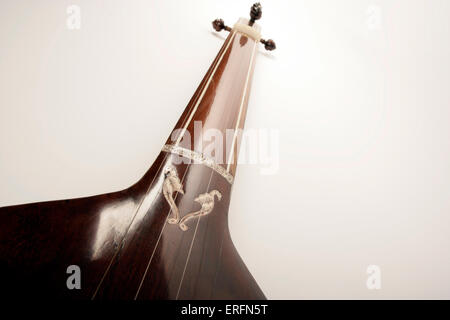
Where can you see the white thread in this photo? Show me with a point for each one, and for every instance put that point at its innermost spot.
(240, 110)
(204, 90)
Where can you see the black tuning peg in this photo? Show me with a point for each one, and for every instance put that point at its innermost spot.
(255, 14)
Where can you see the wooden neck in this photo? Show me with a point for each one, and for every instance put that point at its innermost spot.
(218, 107)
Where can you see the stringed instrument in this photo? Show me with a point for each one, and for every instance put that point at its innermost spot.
(166, 236)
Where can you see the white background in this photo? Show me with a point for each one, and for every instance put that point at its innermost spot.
(359, 91)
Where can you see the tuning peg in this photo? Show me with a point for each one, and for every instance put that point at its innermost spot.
(219, 25)
(255, 14)
(268, 44)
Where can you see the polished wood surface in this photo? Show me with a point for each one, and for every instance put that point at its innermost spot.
(122, 241)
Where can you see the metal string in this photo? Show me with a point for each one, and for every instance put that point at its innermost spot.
(191, 114)
(140, 203)
(192, 242)
(234, 138)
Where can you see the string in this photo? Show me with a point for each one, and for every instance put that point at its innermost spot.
(198, 220)
(157, 242)
(191, 114)
(126, 232)
(218, 262)
(192, 242)
(237, 124)
(191, 111)
(240, 109)
(204, 90)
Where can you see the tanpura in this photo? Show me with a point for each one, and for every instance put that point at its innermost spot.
(166, 236)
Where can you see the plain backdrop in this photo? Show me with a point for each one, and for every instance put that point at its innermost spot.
(358, 91)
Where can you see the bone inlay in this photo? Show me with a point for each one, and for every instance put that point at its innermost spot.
(199, 158)
(206, 200)
(172, 184)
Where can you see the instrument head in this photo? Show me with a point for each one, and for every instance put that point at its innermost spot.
(247, 26)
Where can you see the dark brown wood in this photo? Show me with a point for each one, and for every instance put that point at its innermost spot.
(269, 44)
(255, 13)
(122, 241)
